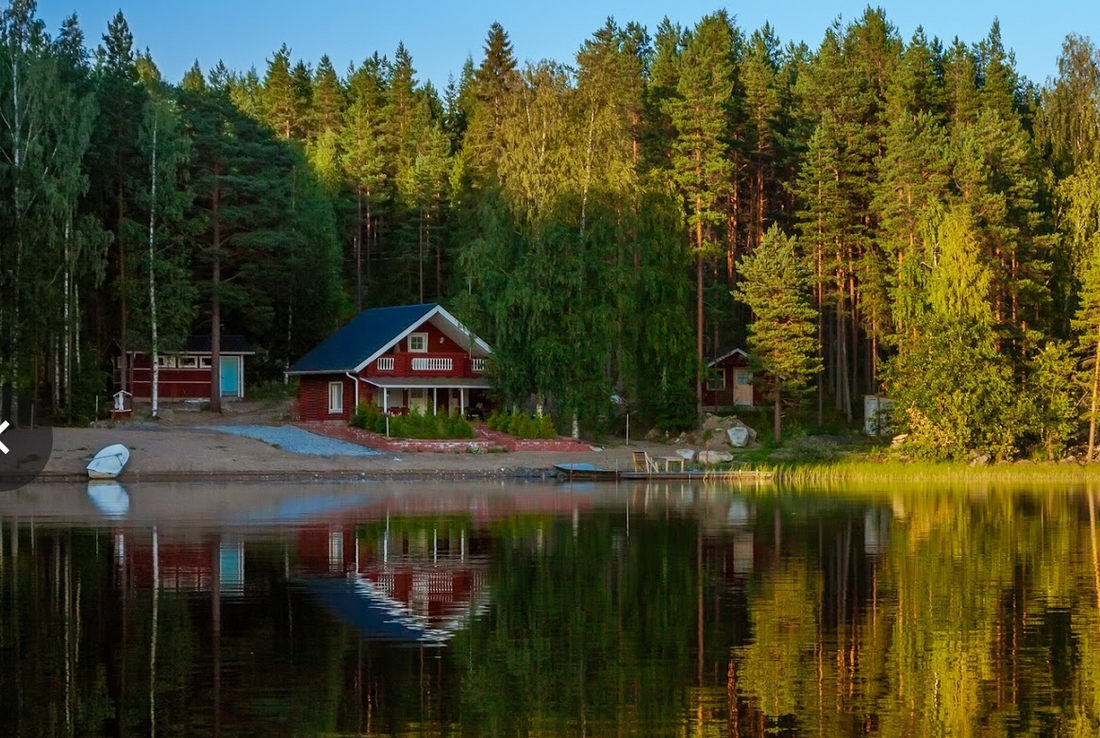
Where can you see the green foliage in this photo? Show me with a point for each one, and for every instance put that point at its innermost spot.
(522, 425)
(564, 209)
(782, 338)
(1052, 398)
(417, 424)
(955, 394)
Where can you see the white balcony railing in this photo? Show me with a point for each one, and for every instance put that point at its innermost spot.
(385, 364)
(478, 365)
(432, 365)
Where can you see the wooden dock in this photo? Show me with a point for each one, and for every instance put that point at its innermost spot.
(590, 473)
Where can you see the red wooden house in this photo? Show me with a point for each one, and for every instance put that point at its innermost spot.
(729, 382)
(409, 357)
(185, 374)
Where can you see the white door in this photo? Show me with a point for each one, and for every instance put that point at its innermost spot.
(418, 400)
(742, 389)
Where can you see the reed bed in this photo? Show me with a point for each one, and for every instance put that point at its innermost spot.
(865, 473)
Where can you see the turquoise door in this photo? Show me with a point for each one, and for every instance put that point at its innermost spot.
(231, 376)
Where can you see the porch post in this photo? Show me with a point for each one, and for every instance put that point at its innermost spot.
(462, 400)
(435, 401)
(385, 399)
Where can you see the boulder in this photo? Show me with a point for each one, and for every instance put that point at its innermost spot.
(714, 457)
(980, 460)
(685, 453)
(739, 436)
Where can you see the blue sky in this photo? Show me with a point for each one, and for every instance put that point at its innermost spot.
(440, 35)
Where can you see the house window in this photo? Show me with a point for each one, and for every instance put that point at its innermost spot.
(335, 397)
(716, 379)
(385, 364)
(189, 362)
(418, 343)
(166, 362)
(204, 362)
(742, 377)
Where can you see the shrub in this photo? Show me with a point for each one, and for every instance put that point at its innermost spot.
(414, 425)
(522, 425)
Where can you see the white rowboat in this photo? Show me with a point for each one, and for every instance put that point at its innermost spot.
(109, 462)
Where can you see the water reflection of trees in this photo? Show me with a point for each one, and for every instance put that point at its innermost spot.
(926, 614)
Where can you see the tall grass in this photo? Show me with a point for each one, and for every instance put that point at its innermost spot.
(851, 474)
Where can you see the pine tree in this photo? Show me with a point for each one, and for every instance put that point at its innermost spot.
(115, 165)
(775, 286)
(701, 152)
(364, 145)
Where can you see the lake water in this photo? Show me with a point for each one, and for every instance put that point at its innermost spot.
(489, 609)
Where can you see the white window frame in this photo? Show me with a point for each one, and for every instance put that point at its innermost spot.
(166, 362)
(716, 380)
(205, 362)
(742, 377)
(423, 337)
(385, 363)
(335, 397)
(189, 362)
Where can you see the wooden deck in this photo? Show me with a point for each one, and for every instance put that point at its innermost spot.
(588, 472)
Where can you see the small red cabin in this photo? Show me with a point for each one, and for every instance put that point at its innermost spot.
(730, 382)
(409, 357)
(184, 374)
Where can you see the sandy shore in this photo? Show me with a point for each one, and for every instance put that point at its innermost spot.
(176, 451)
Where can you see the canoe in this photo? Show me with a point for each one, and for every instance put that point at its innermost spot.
(109, 462)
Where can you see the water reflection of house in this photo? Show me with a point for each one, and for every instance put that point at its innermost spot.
(411, 585)
(181, 565)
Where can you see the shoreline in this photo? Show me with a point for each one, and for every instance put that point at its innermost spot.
(171, 453)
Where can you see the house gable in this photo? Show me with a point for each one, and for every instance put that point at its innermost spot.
(375, 332)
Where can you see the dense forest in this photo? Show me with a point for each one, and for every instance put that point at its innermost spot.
(608, 223)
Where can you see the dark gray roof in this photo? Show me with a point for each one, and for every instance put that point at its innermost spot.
(230, 344)
(362, 337)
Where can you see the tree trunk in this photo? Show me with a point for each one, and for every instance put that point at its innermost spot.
(155, 348)
(359, 252)
(1095, 390)
(216, 311)
(777, 415)
(699, 315)
(124, 365)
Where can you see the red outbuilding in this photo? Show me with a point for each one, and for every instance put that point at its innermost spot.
(400, 359)
(184, 374)
(730, 381)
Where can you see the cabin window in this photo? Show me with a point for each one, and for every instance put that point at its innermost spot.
(742, 377)
(418, 343)
(716, 379)
(166, 362)
(189, 362)
(335, 397)
(204, 362)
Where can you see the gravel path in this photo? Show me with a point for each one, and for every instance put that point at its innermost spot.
(296, 440)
